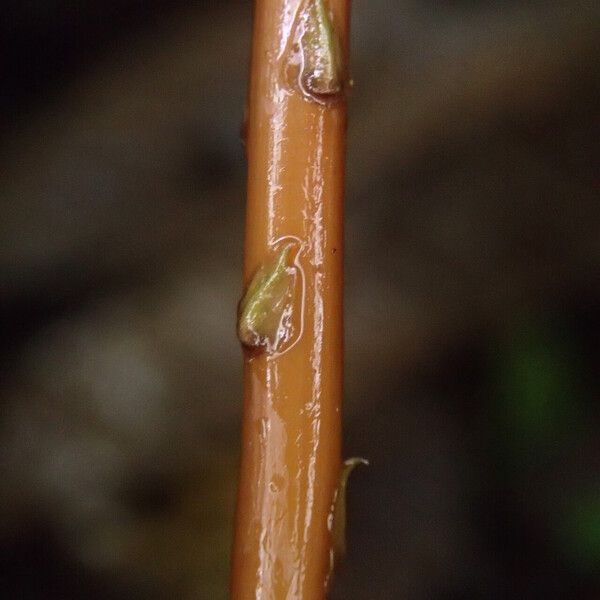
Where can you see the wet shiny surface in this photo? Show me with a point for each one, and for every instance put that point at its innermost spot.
(291, 431)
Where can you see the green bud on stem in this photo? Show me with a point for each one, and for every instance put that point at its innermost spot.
(262, 307)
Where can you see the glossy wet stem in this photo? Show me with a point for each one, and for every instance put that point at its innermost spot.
(291, 458)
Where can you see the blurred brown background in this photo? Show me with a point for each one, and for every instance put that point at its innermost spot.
(472, 312)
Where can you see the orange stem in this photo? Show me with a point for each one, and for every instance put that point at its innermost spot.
(291, 442)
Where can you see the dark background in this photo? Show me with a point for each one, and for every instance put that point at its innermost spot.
(472, 298)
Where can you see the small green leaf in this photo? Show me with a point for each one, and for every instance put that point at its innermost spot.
(322, 72)
(261, 310)
(580, 531)
(339, 507)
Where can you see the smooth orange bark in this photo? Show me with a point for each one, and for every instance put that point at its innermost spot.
(291, 447)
